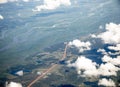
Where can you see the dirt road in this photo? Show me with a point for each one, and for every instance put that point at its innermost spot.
(49, 69)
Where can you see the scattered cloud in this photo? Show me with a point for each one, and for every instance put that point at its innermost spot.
(13, 84)
(114, 61)
(52, 4)
(82, 46)
(1, 17)
(108, 69)
(116, 47)
(85, 66)
(102, 51)
(112, 34)
(110, 64)
(106, 82)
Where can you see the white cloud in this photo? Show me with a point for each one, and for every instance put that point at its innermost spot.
(82, 46)
(113, 53)
(108, 69)
(52, 4)
(116, 47)
(112, 34)
(13, 84)
(86, 65)
(1, 17)
(20, 73)
(88, 68)
(93, 35)
(108, 59)
(106, 82)
(102, 51)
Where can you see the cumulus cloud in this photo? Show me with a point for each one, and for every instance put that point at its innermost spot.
(82, 46)
(13, 84)
(52, 4)
(116, 47)
(112, 34)
(108, 69)
(106, 82)
(1, 17)
(115, 61)
(88, 68)
(102, 51)
(85, 66)
(111, 64)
